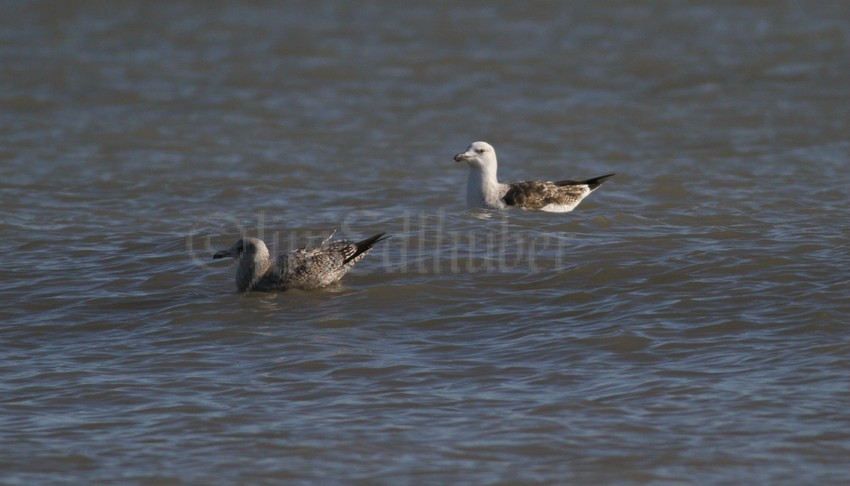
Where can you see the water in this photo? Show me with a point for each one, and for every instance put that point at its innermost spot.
(686, 324)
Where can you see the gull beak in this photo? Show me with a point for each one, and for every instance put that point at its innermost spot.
(461, 157)
(224, 254)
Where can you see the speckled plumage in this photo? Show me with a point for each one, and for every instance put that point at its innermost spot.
(483, 189)
(304, 268)
(540, 194)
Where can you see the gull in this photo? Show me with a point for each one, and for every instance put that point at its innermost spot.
(483, 189)
(304, 268)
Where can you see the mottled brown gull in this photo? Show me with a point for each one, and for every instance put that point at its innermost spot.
(483, 189)
(304, 268)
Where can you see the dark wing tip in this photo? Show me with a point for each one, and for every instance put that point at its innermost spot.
(597, 181)
(591, 183)
(364, 246)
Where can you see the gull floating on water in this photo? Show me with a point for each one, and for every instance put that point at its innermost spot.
(483, 189)
(304, 268)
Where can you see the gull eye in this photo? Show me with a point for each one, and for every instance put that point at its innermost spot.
(479, 151)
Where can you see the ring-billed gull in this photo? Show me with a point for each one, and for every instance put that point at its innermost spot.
(483, 189)
(304, 268)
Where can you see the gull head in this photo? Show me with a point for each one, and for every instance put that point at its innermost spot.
(478, 154)
(252, 259)
(246, 247)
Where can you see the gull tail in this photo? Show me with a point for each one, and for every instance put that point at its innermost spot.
(597, 181)
(364, 246)
(590, 183)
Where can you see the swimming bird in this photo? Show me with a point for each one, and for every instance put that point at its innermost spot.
(304, 268)
(483, 189)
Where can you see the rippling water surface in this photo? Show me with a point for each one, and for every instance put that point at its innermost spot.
(688, 323)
